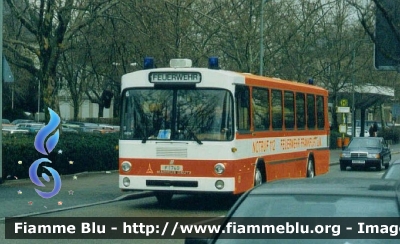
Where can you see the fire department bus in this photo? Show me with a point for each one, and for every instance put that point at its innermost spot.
(207, 130)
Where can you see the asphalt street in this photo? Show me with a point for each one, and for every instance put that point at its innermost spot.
(18, 198)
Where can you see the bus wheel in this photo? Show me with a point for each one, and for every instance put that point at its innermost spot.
(310, 168)
(257, 177)
(163, 198)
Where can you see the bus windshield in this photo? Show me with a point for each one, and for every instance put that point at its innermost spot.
(177, 114)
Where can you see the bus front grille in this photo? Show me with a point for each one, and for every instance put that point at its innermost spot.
(174, 152)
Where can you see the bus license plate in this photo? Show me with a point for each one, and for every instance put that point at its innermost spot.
(172, 167)
(358, 162)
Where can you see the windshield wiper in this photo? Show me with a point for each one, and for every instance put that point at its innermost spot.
(191, 133)
(145, 137)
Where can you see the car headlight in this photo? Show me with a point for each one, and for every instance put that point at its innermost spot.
(126, 166)
(219, 168)
(345, 155)
(373, 155)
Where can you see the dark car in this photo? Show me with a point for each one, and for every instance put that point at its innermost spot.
(19, 121)
(393, 171)
(81, 126)
(366, 152)
(317, 199)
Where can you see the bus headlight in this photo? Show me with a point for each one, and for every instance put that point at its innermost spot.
(126, 166)
(126, 181)
(219, 168)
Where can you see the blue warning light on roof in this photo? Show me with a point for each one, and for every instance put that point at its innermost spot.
(213, 63)
(148, 63)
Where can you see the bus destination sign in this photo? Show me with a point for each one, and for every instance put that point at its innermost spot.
(175, 77)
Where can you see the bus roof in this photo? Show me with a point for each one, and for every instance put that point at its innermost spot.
(215, 78)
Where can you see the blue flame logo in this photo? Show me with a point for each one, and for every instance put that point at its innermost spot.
(40, 147)
(45, 131)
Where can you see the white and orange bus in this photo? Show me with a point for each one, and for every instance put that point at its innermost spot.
(206, 130)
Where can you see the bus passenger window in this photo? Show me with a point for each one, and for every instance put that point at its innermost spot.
(277, 115)
(300, 111)
(320, 112)
(289, 110)
(242, 96)
(261, 116)
(310, 112)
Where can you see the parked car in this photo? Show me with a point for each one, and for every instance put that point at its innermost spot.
(11, 131)
(317, 197)
(28, 125)
(104, 128)
(68, 130)
(366, 152)
(7, 124)
(33, 129)
(19, 121)
(5, 121)
(81, 126)
(393, 171)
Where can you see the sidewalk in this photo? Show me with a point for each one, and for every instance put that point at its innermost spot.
(19, 198)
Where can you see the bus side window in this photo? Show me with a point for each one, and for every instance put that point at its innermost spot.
(320, 112)
(276, 104)
(289, 110)
(261, 116)
(310, 112)
(242, 96)
(300, 111)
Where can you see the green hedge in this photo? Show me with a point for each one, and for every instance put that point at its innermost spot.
(87, 151)
(391, 133)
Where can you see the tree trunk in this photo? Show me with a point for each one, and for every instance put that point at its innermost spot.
(50, 96)
(101, 110)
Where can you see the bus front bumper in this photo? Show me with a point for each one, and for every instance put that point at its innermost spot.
(178, 184)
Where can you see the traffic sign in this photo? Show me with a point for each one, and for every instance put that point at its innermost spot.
(344, 103)
(343, 110)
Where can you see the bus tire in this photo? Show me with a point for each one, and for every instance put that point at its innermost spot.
(163, 198)
(259, 173)
(310, 168)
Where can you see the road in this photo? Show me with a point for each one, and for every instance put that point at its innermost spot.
(146, 205)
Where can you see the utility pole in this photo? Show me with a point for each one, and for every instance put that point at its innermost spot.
(1, 90)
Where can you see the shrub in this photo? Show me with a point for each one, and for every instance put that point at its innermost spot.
(87, 151)
(391, 133)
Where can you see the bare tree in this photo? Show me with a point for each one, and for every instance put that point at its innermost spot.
(50, 23)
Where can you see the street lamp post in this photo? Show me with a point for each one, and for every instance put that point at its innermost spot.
(353, 112)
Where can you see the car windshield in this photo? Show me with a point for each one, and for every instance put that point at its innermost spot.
(366, 142)
(316, 206)
(393, 172)
(312, 206)
(177, 114)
